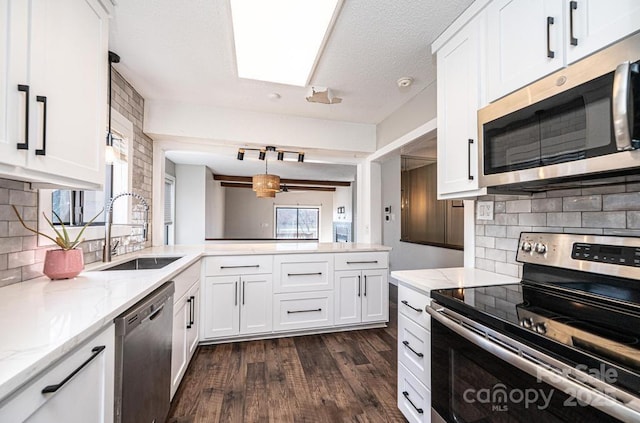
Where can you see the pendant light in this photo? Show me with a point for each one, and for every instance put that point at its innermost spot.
(266, 185)
(110, 153)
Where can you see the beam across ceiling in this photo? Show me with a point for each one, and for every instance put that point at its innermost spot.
(288, 187)
(248, 180)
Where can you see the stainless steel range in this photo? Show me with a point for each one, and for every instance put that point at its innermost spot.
(562, 345)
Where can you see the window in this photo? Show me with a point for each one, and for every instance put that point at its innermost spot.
(169, 209)
(297, 222)
(75, 208)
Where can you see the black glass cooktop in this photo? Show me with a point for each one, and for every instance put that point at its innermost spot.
(587, 322)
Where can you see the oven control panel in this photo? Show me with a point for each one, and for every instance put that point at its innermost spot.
(610, 255)
(614, 254)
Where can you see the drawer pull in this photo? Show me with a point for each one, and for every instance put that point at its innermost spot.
(190, 322)
(53, 388)
(405, 302)
(303, 311)
(406, 395)
(363, 262)
(240, 267)
(43, 151)
(25, 145)
(305, 274)
(406, 344)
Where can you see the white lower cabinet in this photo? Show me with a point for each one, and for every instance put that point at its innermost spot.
(79, 389)
(414, 399)
(361, 296)
(414, 355)
(186, 306)
(237, 305)
(304, 310)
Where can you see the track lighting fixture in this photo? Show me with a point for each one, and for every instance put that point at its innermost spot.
(301, 157)
(241, 154)
(262, 155)
(281, 155)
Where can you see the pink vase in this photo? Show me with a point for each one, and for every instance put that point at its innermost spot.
(63, 264)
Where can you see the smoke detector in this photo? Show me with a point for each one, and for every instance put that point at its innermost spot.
(405, 82)
(322, 95)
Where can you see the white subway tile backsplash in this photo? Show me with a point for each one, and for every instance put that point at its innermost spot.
(480, 252)
(519, 206)
(507, 244)
(485, 264)
(627, 201)
(495, 230)
(546, 205)
(507, 269)
(604, 219)
(514, 231)
(531, 219)
(571, 219)
(485, 241)
(496, 255)
(633, 219)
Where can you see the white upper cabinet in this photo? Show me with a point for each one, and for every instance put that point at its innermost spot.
(54, 90)
(594, 24)
(458, 101)
(527, 40)
(525, 43)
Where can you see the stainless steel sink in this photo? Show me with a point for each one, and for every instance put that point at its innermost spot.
(143, 263)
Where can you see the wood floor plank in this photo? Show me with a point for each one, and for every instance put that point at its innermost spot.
(336, 377)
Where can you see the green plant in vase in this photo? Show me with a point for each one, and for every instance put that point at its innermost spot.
(68, 261)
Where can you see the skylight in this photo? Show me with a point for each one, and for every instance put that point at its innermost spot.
(279, 40)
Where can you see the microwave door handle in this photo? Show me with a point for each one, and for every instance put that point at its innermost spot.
(621, 127)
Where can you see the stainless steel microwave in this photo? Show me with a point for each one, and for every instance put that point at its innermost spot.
(581, 123)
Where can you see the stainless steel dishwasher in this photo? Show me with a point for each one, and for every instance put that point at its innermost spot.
(143, 359)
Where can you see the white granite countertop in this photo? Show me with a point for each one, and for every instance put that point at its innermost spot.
(42, 320)
(425, 280)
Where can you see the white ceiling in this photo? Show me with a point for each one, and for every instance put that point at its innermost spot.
(183, 51)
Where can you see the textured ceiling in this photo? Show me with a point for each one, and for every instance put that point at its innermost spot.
(182, 50)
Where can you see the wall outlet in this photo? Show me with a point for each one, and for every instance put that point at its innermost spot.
(484, 210)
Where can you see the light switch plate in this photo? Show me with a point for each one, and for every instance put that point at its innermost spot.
(484, 210)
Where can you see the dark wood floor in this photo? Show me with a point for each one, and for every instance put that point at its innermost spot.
(336, 377)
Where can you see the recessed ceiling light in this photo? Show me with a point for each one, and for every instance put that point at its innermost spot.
(280, 40)
(405, 82)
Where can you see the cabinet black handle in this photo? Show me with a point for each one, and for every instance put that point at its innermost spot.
(358, 285)
(303, 311)
(573, 5)
(405, 302)
(363, 262)
(550, 53)
(406, 395)
(239, 267)
(406, 344)
(43, 151)
(193, 310)
(235, 293)
(304, 274)
(190, 311)
(365, 285)
(25, 145)
(53, 388)
(243, 292)
(469, 157)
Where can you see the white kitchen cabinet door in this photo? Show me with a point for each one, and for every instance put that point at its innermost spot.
(179, 359)
(524, 43)
(194, 322)
(458, 100)
(598, 23)
(375, 295)
(14, 83)
(69, 64)
(221, 306)
(256, 293)
(348, 298)
(86, 397)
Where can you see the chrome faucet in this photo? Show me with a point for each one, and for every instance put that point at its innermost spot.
(107, 252)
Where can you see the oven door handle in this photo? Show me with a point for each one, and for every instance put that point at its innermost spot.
(537, 365)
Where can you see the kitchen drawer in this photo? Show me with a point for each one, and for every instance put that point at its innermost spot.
(303, 272)
(238, 265)
(351, 261)
(414, 349)
(304, 310)
(185, 280)
(412, 304)
(414, 399)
